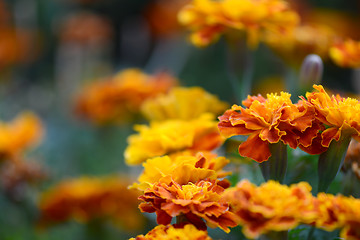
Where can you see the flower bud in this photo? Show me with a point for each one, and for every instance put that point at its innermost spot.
(311, 71)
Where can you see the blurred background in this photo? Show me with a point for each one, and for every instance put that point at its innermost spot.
(50, 49)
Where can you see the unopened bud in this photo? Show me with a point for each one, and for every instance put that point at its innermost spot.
(311, 70)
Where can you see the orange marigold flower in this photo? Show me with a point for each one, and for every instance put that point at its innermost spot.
(268, 121)
(169, 232)
(271, 206)
(346, 53)
(161, 138)
(340, 115)
(183, 168)
(120, 97)
(194, 201)
(24, 131)
(88, 198)
(209, 19)
(182, 103)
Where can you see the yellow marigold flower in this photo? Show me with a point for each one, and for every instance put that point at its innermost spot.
(271, 206)
(193, 201)
(120, 97)
(346, 54)
(24, 131)
(161, 138)
(340, 115)
(88, 198)
(302, 41)
(209, 19)
(182, 168)
(169, 232)
(182, 103)
(268, 121)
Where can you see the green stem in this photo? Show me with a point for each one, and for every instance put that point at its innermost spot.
(282, 235)
(95, 229)
(240, 68)
(275, 167)
(330, 162)
(248, 74)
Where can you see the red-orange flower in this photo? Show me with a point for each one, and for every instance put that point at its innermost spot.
(268, 121)
(194, 201)
(119, 98)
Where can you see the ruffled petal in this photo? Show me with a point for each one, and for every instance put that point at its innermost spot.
(255, 148)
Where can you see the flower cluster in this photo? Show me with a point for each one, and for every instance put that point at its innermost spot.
(209, 19)
(120, 97)
(311, 124)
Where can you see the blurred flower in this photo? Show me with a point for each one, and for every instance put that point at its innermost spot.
(182, 103)
(119, 98)
(346, 53)
(268, 121)
(24, 131)
(86, 28)
(16, 46)
(86, 199)
(339, 212)
(16, 176)
(270, 207)
(209, 19)
(162, 138)
(169, 232)
(194, 201)
(161, 16)
(183, 168)
(302, 41)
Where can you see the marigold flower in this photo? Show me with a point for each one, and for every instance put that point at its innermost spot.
(335, 212)
(271, 206)
(195, 201)
(268, 121)
(24, 131)
(169, 232)
(88, 198)
(340, 115)
(346, 53)
(120, 97)
(183, 168)
(182, 103)
(161, 138)
(209, 19)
